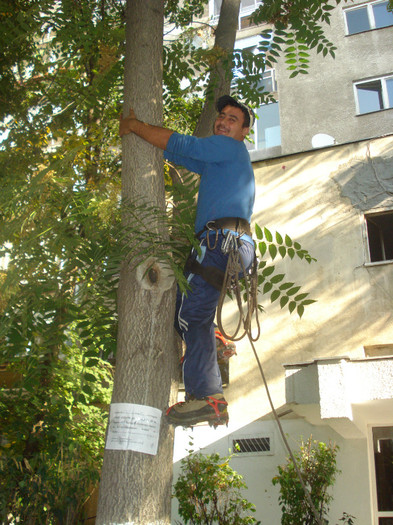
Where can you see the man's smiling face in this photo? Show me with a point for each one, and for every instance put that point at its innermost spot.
(230, 122)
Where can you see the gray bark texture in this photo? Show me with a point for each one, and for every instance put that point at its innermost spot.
(135, 487)
(221, 74)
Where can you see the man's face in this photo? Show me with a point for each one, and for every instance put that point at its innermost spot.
(230, 123)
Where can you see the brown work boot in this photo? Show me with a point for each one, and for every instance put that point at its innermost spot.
(211, 409)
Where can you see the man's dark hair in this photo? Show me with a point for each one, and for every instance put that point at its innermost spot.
(227, 100)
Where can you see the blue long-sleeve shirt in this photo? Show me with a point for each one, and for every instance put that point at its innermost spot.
(227, 187)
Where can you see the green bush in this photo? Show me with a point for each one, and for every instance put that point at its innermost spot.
(317, 464)
(209, 491)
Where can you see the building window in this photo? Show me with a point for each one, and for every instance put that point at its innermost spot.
(267, 129)
(379, 235)
(383, 465)
(247, 7)
(374, 15)
(266, 132)
(374, 95)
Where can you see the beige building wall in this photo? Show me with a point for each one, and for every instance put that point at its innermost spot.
(318, 198)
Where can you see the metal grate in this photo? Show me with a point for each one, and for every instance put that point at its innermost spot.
(250, 445)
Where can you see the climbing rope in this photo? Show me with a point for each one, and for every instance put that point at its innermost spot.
(232, 286)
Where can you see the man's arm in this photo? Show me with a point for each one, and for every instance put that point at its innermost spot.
(155, 135)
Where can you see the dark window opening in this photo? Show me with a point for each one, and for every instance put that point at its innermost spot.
(383, 456)
(380, 236)
(248, 445)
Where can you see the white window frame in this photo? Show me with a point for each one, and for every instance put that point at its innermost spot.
(370, 15)
(385, 97)
(243, 12)
(376, 514)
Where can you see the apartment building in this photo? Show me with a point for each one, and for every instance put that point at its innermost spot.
(323, 161)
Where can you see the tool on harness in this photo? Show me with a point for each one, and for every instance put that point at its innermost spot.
(230, 242)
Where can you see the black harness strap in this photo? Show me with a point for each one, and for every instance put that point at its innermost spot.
(236, 224)
(210, 274)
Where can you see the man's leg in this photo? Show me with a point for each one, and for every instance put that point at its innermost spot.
(195, 317)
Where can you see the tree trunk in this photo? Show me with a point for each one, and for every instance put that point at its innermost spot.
(221, 73)
(136, 487)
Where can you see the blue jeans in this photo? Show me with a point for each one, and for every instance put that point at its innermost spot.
(194, 321)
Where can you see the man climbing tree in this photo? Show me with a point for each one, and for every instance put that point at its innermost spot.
(225, 204)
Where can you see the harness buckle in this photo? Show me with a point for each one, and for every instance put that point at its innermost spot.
(229, 244)
(211, 227)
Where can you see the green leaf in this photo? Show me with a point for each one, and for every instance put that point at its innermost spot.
(277, 278)
(87, 390)
(293, 290)
(308, 301)
(92, 362)
(90, 377)
(283, 301)
(268, 235)
(279, 238)
(285, 286)
(258, 231)
(283, 251)
(268, 271)
(267, 287)
(291, 306)
(288, 241)
(272, 250)
(275, 295)
(262, 248)
(300, 297)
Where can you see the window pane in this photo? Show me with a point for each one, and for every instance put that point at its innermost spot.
(266, 82)
(370, 96)
(268, 126)
(389, 89)
(383, 17)
(357, 20)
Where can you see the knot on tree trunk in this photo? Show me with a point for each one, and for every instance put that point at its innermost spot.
(153, 276)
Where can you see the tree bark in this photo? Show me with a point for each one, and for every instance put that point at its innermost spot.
(221, 73)
(136, 487)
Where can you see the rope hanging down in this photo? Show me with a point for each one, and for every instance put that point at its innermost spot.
(232, 286)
